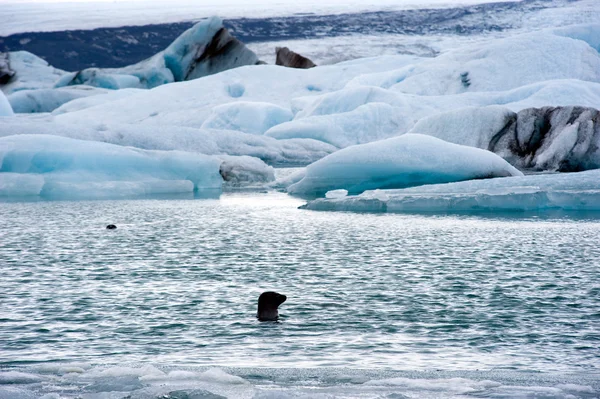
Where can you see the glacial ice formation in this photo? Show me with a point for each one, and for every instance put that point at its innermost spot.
(562, 139)
(405, 161)
(531, 99)
(564, 191)
(191, 103)
(369, 122)
(62, 168)
(204, 141)
(205, 49)
(503, 65)
(565, 139)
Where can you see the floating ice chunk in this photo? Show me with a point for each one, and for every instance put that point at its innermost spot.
(245, 171)
(405, 161)
(368, 122)
(17, 377)
(84, 169)
(576, 388)
(455, 385)
(247, 117)
(565, 191)
(221, 377)
(336, 193)
(5, 107)
(47, 100)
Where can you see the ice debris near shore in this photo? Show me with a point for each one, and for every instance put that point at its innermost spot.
(405, 161)
(562, 192)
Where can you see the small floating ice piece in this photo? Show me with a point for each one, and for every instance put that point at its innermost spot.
(336, 193)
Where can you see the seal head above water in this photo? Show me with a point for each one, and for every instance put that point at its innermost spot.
(268, 302)
(111, 227)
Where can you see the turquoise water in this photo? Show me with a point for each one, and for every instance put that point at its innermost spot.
(467, 298)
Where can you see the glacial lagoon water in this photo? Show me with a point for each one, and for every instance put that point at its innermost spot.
(379, 306)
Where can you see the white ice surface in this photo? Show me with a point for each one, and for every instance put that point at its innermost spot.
(247, 117)
(471, 126)
(63, 168)
(191, 103)
(47, 100)
(368, 122)
(360, 114)
(87, 102)
(504, 64)
(5, 108)
(204, 141)
(566, 191)
(405, 161)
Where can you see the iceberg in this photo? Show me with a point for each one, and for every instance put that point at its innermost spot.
(204, 141)
(565, 139)
(205, 49)
(505, 64)
(191, 103)
(550, 192)
(29, 72)
(54, 167)
(404, 161)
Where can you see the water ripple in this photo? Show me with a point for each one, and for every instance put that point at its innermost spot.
(178, 281)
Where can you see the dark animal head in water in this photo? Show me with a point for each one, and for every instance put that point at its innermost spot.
(111, 227)
(268, 302)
